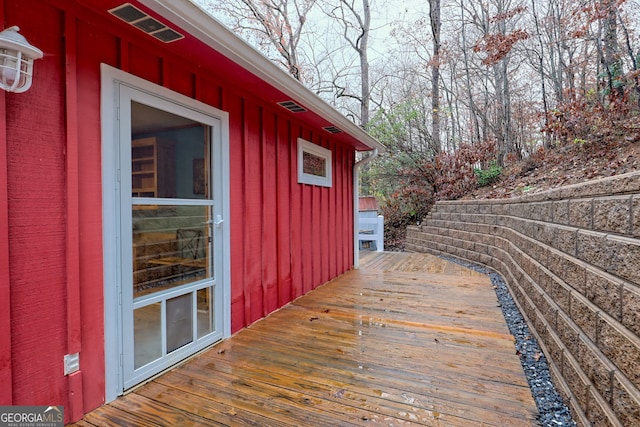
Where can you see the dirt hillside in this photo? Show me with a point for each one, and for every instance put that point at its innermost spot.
(562, 166)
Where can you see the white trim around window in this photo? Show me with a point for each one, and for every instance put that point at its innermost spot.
(314, 164)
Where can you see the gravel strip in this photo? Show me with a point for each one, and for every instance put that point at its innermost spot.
(551, 408)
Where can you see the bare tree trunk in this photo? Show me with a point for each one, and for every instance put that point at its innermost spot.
(610, 48)
(634, 60)
(364, 64)
(557, 67)
(503, 100)
(355, 30)
(472, 106)
(434, 15)
(452, 124)
(547, 139)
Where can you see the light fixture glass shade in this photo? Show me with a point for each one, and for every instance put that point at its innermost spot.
(16, 61)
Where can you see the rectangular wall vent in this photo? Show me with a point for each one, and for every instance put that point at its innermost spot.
(167, 35)
(332, 129)
(128, 13)
(71, 363)
(134, 16)
(148, 25)
(292, 106)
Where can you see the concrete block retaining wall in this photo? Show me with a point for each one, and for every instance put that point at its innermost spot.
(571, 258)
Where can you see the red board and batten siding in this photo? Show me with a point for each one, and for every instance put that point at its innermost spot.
(36, 200)
(286, 238)
(5, 284)
(283, 234)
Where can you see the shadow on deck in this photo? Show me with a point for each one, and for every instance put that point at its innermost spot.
(409, 339)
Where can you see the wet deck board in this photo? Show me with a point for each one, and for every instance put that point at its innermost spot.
(409, 339)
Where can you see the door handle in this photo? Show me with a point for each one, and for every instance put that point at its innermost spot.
(219, 221)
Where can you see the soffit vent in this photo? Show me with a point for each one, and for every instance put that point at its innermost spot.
(292, 106)
(332, 129)
(134, 16)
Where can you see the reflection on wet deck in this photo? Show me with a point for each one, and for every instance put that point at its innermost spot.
(409, 339)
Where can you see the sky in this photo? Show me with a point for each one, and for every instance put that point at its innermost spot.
(384, 14)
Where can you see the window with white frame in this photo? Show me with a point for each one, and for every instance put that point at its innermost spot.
(314, 164)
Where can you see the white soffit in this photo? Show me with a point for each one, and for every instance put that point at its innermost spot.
(191, 18)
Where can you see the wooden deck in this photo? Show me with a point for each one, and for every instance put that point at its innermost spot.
(409, 339)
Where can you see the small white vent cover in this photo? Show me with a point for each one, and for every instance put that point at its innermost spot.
(71, 363)
(134, 16)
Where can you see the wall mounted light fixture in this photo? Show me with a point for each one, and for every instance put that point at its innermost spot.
(16, 60)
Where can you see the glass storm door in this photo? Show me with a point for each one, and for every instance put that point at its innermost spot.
(169, 223)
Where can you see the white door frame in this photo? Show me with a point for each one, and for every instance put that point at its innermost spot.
(111, 80)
